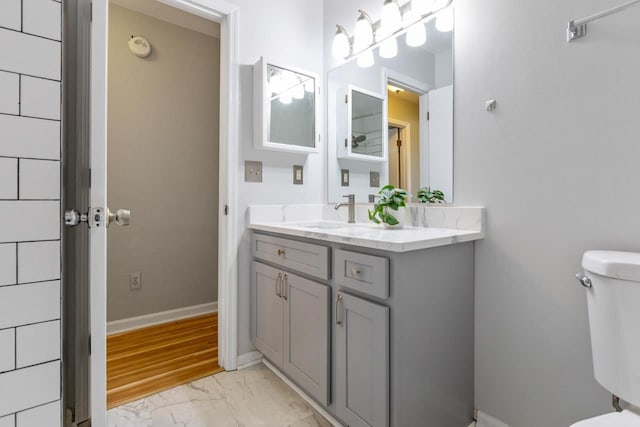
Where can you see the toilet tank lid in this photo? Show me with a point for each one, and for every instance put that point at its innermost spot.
(615, 264)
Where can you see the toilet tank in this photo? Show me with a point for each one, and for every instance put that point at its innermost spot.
(614, 320)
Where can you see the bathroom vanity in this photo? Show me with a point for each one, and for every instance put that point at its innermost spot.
(375, 325)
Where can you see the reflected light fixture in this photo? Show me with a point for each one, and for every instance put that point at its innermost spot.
(275, 82)
(365, 59)
(308, 85)
(417, 31)
(286, 98)
(389, 48)
(363, 33)
(391, 20)
(298, 91)
(444, 21)
(341, 47)
(395, 89)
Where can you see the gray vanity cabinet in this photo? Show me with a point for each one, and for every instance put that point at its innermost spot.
(290, 326)
(267, 326)
(362, 361)
(306, 335)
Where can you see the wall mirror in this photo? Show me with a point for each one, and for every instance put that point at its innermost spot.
(362, 127)
(413, 93)
(285, 108)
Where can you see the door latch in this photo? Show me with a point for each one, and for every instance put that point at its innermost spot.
(94, 217)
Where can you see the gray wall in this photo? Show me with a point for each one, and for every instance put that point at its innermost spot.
(163, 165)
(556, 166)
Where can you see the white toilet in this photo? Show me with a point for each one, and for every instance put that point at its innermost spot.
(612, 280)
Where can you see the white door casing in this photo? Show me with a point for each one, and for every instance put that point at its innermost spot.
(226, 14)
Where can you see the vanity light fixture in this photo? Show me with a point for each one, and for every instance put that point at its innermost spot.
(275, 82)
(410, 19)
(341, 47)
(308, 86)
(444, 21)
(286, 98)
(391, 17)
(363, 33)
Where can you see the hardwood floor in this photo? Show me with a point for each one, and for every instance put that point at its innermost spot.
(146, 361)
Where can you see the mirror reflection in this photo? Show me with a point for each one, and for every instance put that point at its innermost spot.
(291, 116)
(395, 126)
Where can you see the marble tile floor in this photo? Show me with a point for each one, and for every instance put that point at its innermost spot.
(252, 397)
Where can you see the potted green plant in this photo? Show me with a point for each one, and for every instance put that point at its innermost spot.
(391, 199)
(425, 195)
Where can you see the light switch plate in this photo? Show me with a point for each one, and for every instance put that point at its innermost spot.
(252, 171)
(298, 174)
(374, 179)
(344, 177)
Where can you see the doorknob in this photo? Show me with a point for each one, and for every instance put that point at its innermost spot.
(122, 217)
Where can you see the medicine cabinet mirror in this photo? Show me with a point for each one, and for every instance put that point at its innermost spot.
(397, 120)
(286, 108)
(362, 127)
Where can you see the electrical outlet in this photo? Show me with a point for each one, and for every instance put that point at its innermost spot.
(252, 171)
(135, 281)
(374, 179)
(297, 174)
(344, 177)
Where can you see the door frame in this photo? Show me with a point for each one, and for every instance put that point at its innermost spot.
(226, 14)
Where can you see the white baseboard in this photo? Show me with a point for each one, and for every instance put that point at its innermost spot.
(249, 359)
(131, 323)
(485, 420)
(302, 394)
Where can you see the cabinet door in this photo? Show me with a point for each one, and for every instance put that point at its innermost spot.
(268, 319)
(362, 361)
(306, 320)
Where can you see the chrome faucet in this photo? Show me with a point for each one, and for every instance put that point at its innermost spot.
(352, 207)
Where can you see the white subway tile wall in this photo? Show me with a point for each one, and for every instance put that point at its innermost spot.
(30, 98)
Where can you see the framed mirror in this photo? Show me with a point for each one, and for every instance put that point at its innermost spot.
(285, 108)
(415, 89)
(363, 125)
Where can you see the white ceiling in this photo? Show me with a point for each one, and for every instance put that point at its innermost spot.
(172, 15)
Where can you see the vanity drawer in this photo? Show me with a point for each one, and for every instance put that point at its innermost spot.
(299, 256)
(368, 274)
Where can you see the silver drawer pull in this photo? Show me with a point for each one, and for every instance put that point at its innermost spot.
(355, 272)
(280, 252)
(279, 285)
(285, 291)
(584, 280)
(338, 317)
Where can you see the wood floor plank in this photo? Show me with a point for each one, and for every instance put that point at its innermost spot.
(149, 360)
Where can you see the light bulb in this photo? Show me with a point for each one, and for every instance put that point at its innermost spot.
(422, 7)
(391, 17)
(298, 91)
(308, 85)
(389, 48)
(286, 98)
(363, 33)
(416, 35)
(275, 82)
(341, 47)
(444, 21)
(365, 59)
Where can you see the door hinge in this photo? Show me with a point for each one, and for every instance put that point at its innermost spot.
(226, 209)
(346, 99)
(346, 142)
(89, 345)
(428, 116)
(91, 12)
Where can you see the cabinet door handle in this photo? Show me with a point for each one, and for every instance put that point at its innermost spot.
(355, 272)
(280, 252)
(285, 290)
(338, 303)
(279, 285)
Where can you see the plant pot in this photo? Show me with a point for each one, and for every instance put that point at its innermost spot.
(400, 215)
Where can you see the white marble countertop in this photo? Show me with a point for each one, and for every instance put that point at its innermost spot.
(320, 223)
